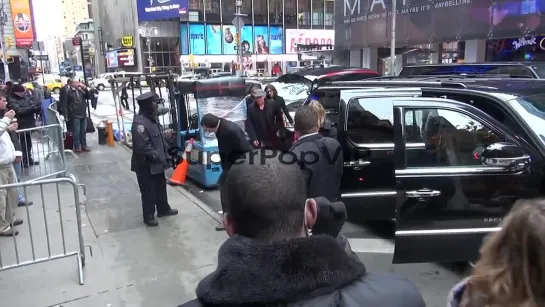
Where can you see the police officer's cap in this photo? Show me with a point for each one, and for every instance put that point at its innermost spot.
(147, 98)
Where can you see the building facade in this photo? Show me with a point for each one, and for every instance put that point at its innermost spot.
(482, 30)
(86, 59)
(73, 12)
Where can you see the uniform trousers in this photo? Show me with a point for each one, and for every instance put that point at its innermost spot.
(154, 193)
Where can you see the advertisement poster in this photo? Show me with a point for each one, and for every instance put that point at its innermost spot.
(196, 39)
(149, 10)
(261, 41)
(307, 37)
(22, 22)
(276, 40)
(422, 21)
(111, 59)
(213, 39)
(229, 45)
(184, 40)
(125, 57)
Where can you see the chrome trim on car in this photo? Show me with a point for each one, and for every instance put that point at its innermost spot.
(435, 171)
(388, 145)
(369, 194)
(461, 231)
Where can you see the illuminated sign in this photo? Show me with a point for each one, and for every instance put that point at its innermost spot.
(523, 41)
(127, 41)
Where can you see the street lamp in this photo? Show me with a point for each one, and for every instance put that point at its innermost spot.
(148, 33)
(3, 22)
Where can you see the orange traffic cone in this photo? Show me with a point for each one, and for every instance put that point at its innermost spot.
(180, 173)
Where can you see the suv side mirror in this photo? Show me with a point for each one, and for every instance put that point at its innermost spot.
(505, 155)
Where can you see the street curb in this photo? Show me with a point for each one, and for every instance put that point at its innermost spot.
(183, 190)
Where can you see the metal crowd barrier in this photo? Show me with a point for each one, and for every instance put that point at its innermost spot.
(43, 149)
(47, 232)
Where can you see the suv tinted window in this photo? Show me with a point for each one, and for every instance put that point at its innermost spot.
(447, 138)
(370, 121)
(329, 99)
(516, 71)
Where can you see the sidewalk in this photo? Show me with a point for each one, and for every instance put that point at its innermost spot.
(132, 265)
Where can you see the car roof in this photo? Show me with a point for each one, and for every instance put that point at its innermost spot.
(476, 64)
(516, 87)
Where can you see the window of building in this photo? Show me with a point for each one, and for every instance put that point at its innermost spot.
(275, 11)
(260, 11)
(329, 14)
(196, 8)
(290, 21)
(447, 138)
(303, 14)
(370, 121)
(165, 54)
(212, 10)
(318, 14)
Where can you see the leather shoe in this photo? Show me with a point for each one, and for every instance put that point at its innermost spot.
(168, 213)
(151, 223)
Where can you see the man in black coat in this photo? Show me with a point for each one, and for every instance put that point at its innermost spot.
(264, 121)
(74, 107)
(150, 159)
(320, 156)
(26, 109)
(232, 145)
(272, 257)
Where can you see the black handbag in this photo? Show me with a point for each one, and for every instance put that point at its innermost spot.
(90, 126)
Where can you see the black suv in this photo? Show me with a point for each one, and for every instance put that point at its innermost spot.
(445, 158)
(511, 69)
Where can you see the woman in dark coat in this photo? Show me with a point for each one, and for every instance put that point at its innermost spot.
(272, 94)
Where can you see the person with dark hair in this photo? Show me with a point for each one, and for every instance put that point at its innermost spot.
(8, 88)
(26, 109)
(76, 97)
(272, 94)
(272, 257)
(263, 122)
(320, 156)
(232, 145)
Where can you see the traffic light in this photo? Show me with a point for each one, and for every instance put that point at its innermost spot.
(10, 42)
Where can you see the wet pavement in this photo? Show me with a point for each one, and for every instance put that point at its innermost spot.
(131, 264)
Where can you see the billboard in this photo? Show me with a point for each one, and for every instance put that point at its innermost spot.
(306, 37)
(149, 10)
(362, 23)
(22, 23)
(220, 39)
(120, 58)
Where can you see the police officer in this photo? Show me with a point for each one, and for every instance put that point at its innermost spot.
(149, 159)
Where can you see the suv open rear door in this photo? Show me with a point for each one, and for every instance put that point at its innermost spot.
(447, 200)
(368, 183)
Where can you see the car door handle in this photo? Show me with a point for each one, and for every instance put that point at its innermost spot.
(359, 163)
(422, 193)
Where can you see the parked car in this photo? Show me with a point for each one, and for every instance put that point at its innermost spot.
(534, 70)
(443, 158)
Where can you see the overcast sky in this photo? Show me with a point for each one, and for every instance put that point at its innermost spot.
(47, 18)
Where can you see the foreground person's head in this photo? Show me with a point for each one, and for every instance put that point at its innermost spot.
(511, 270)
(268, 202)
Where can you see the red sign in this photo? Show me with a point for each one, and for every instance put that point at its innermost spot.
(308, 37)
(76, 41)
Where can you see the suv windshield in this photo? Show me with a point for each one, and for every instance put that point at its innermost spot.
(532, 110)
(539, 70)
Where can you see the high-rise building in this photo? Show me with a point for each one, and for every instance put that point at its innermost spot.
(74, 12)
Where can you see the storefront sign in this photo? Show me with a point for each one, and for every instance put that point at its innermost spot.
(127, 41)
(307, 37)
(367, 23)
(149, 10)
(523, 41)
(120, 58)
(221, 39)
(22, 22)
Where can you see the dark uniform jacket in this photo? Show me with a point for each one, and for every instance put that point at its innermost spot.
(232, 143)
(149, 152)
(274, 123)
(24, 109)
(313, 271)
(322, 158)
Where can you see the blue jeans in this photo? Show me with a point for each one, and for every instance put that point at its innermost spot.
(79, 130)
(17, 167)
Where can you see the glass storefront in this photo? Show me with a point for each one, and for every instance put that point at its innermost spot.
(165, 54)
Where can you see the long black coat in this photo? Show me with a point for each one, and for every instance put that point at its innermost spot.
(25, 109)
(149, 151)
(322, 158)
(232, 143)
(274, 120)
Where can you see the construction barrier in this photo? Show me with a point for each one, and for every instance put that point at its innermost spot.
(51, 229)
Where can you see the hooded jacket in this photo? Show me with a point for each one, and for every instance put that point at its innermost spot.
(305, 272)
(25, 109)
(7, 147)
